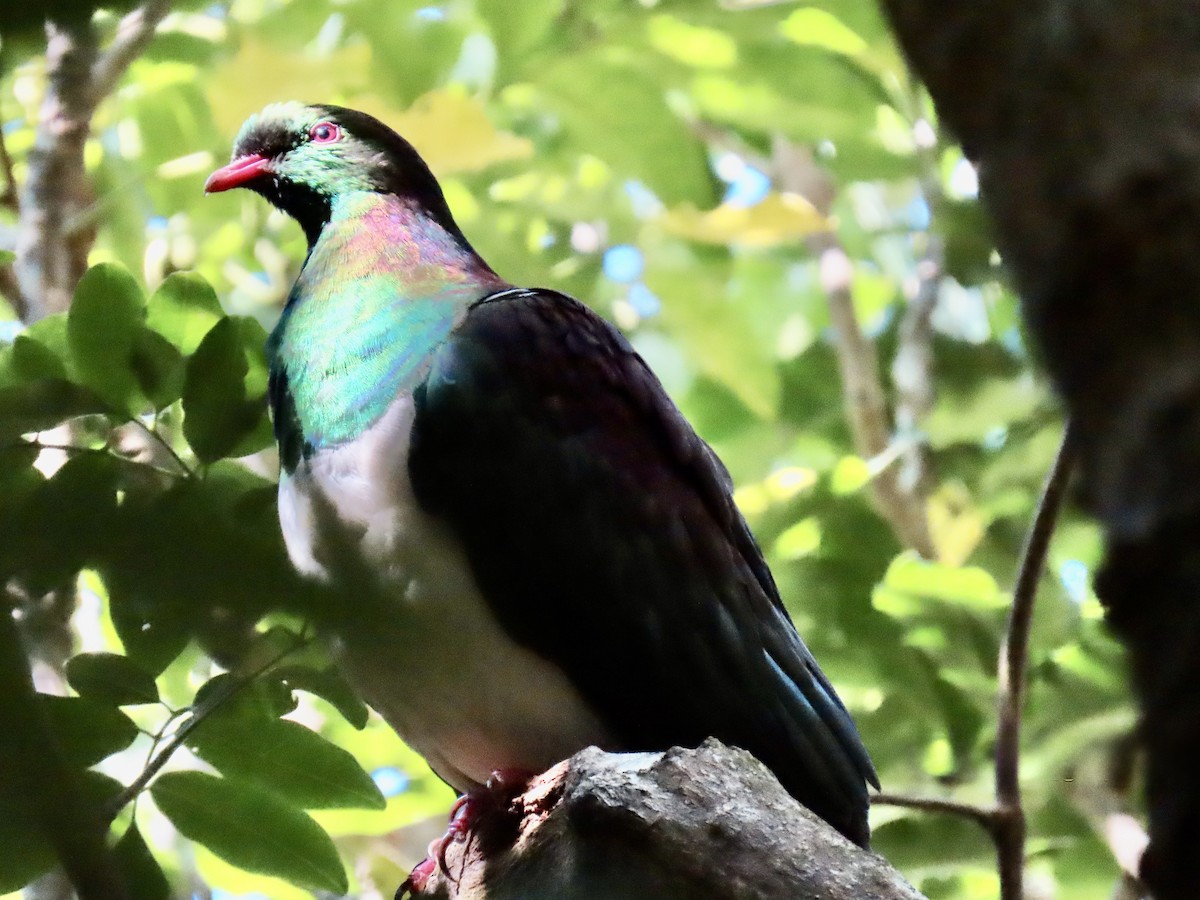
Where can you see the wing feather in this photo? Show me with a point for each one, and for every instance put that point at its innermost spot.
(604, 532)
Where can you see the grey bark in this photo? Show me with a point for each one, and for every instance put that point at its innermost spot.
(711, 822)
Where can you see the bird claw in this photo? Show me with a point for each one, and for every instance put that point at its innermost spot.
(494, 797)
(418, 879)
(463, 815)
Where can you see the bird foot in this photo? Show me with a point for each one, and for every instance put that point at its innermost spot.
(475, 813)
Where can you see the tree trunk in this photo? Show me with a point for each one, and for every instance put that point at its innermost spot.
(1084, 119)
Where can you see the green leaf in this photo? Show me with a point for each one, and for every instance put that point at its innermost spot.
(939, 842)
(144, 878)
(183, 309)
(818, 28)
(43, 404)
(216, 413)
(968, 241)
(158, 368)
(970, 586)
(32, 360)
(726, 337)
(963, 719)
(329, 686)
(87, 731)
(621, 115)
(105, 317)
(27, 850)
(6, 257)
(111, 678)
(67, 520)
(259, 701)
(151, 638)
(292, 761)
(251, 828)
(517, 26)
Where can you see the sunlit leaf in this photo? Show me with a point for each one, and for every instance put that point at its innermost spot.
(955, 524)
(454, 135)
(720, 330)
(183, 309)
(261, 73)
(818, 28)
(778, 219)
(968, 586)
(251, 828)
(106, 314)
(290, 760)
(604, 104)
(699, 46)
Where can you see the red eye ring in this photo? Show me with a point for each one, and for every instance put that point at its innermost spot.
(325, 133)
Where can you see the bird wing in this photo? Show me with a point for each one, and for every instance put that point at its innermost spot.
(603, 532)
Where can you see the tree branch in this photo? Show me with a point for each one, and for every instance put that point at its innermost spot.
(49, 261)
(865, 403)
(55, 234)
(134, 32)
(897, 491)
(912, 366)
(710, 822)
(984, 816)
(1012, 666)
(9, 197)
(1005, 821)
(184, 731)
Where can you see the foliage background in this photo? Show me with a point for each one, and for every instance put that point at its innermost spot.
(699, 173)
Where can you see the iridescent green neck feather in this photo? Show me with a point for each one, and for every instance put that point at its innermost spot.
(383, 285)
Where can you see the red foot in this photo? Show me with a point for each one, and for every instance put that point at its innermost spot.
(469, 812)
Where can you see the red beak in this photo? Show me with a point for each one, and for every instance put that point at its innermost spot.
(238, 173)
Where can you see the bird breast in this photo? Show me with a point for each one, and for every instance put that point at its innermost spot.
(420, 641)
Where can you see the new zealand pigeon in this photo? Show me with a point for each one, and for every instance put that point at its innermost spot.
(535, 550)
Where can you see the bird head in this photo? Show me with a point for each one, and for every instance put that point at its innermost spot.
(302, 157)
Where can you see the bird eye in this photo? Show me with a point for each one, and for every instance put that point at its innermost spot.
(324, 133)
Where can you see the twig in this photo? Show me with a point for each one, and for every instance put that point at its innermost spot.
(134, 32)
(897, 491)
(9, 197)
(984, 816)
(10, 289)
(913, 363)
(1013, 662)
(105, 450)
(199, 715)
(153, 434)
(912, 366)
(33, 765)
(863, 397)
(1005, 821)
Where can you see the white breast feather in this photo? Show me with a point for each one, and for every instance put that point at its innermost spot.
(437, 666)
